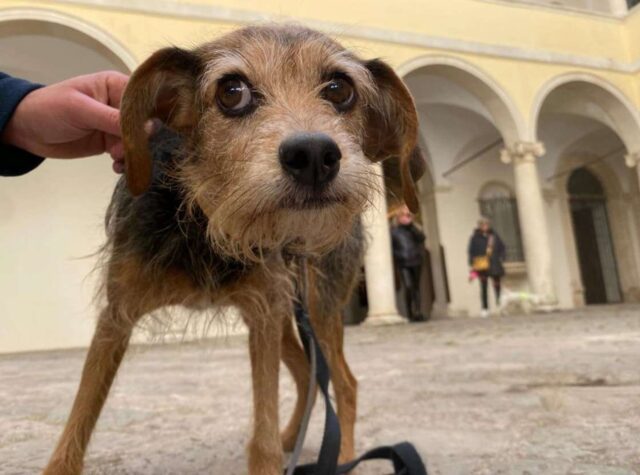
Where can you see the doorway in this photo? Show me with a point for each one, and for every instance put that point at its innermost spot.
(596, 254)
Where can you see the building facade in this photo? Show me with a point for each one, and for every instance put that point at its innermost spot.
(529, 114)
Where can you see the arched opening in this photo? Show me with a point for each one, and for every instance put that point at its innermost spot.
(52, 218)
(47, 52)
(465, 121)
(594, 244)
(588, 97)
(587, 127)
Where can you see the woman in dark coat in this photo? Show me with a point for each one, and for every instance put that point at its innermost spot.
(408, 255)
(486, 242)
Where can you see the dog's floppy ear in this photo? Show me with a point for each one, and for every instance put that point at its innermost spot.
(393, 172)
(391, 123)
(163, 87)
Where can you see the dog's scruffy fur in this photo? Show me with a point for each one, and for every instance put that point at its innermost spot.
(208, 216)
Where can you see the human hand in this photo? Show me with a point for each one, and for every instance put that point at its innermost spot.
(75, 118)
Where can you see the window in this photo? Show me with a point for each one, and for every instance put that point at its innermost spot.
(498, 204)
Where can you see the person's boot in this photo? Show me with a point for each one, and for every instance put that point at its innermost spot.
(414, 308)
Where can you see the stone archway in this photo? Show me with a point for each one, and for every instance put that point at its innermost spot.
(496, 104)
(587, 95)
(47, 52)
(58, 23)
(585, 122)
(466, 118)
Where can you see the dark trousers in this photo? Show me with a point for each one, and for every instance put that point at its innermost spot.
(484, 289)
(410, 276)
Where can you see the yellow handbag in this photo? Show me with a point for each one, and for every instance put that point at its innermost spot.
(482, 263)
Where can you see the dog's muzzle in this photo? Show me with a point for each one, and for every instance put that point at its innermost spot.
(311, 159)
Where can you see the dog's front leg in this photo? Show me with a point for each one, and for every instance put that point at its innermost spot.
(295, 359)
(107, 349)
(265, 448)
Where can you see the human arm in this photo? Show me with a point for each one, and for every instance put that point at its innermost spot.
(14, 161)
(75, 118)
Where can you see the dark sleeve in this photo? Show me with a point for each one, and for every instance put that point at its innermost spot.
(394, 240)
(470, 250)
(14, 161)
(418, 234)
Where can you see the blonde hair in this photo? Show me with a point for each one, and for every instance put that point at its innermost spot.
(484, 220)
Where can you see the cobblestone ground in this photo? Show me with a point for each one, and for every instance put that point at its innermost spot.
(543, 394)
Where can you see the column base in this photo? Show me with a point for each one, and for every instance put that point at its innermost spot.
(546, 307)
(384, 319)
(548, 303)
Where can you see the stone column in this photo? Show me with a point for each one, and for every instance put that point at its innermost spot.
(428, 209)
(633, 161)
(533, 222)
(378, 264)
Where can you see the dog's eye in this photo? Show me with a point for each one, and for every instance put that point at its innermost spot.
(340, 93)
(234, 96)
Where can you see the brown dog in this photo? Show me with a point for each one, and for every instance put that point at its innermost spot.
(278, 128)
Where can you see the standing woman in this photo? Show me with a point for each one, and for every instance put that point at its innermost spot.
(408, 254)
(486, 256)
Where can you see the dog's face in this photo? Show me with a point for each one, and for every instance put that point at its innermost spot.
(281, 125)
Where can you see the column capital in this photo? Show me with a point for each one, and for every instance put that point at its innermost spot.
(619, 7)
(522, 152)
(632, 159)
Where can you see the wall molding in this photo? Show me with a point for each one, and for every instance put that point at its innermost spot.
(224, 14)
(556, 9)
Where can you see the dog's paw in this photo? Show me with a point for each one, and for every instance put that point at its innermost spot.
(61, 468)
(288, 438)
(265, 458)
(347, 455)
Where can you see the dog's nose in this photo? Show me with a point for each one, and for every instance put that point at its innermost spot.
(312, 159)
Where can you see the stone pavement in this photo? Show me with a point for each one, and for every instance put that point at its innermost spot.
(543, 394)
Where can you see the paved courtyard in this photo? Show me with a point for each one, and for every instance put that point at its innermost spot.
(542, 394)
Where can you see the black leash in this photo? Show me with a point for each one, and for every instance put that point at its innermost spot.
(405, 458)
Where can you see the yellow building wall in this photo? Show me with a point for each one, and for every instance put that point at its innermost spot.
(632, 27)
(371, 28)
(471, 20)
(519, 48)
